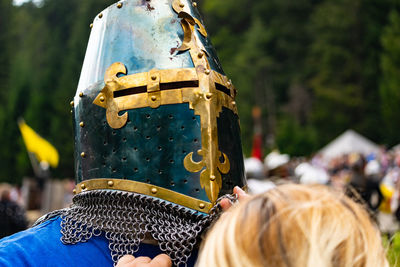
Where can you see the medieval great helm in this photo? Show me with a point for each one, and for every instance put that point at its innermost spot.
(154, 113)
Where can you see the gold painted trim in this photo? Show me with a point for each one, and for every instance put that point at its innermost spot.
(145, 189)
(162, 76)
(176, 96)
(205, 99)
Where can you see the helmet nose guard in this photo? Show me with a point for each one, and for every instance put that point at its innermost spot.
(163, 121)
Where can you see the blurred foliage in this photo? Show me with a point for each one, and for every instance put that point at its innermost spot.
(392, 247)
(390, 79)
(314, 67)
(46, 47)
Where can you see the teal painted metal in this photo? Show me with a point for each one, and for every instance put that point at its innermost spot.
(151, 147)
(143, 35)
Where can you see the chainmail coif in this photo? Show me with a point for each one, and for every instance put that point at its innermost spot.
(127, 218)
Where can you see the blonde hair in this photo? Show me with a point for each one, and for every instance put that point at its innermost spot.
(297, 226)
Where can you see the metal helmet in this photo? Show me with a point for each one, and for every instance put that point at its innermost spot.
(154, 113)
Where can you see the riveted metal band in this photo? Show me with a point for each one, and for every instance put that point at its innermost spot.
(106, 98)
(145, 189)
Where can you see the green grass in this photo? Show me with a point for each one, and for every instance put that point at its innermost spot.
(393, 249)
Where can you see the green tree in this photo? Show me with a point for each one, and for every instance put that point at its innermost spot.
(262, 44)
(5, 23)
(49, 43)
(17, 95)
(295, 139)
(334, 64)
(390, 81)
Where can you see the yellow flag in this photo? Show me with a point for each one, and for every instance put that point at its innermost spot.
(43, 150)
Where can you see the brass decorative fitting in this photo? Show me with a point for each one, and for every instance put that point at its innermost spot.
(200, 55)
(102, 99)
(119, 5)
(82, 124)
(153, 98)
(81, 94)
(207, 71)
(154, 77)
(72, 103)
(202, 206)
(181, 5)
(208, 95)
(154, 190)
(74, 191)
(233, 103)
(212, 177)
(194, 4)
(100, 15)
(91, 25)
(110, 183)
(83, 186)
(83, 154)
(229, 84)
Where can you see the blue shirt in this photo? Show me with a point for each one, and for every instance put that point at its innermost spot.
(41, 246)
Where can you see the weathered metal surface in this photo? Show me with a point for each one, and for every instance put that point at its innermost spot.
(156, 106)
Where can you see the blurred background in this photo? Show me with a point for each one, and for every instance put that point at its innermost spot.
(306, 71)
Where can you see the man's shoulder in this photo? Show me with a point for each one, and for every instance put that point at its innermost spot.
(41, 246)
(43, 232)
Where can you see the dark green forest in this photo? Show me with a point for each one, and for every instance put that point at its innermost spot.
(314, 67)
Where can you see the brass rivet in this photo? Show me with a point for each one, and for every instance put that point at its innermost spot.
(208, 95)
(212, 177)
(194, 4)
(197, 94)
(229, 83)
(100, 15)
(154, 190)
(82, 124)
(83, 154)
(202, 206)
(233, 103)
(154, 98)
(154, 77)
(74, 191)
(91, 25)
(200, 55)
(83, 186)
(102, 99)
(181, 5)
(81, 94)
(207, 71)
(110, 183)
(119, 5)
(71, 103)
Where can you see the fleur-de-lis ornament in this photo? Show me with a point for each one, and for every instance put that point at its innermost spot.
(207, 105)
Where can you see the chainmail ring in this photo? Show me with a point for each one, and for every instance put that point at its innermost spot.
(127, 218)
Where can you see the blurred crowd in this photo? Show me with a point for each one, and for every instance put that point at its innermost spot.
(21, 206)
(373, 179)
(11, 213)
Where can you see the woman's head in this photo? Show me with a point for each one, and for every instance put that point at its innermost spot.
(294, 225)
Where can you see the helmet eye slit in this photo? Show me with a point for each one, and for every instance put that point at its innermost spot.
(163, 86)
(130, 91)
(223, 89)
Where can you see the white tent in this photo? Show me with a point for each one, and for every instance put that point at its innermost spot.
(396, 148)
(349, 142)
